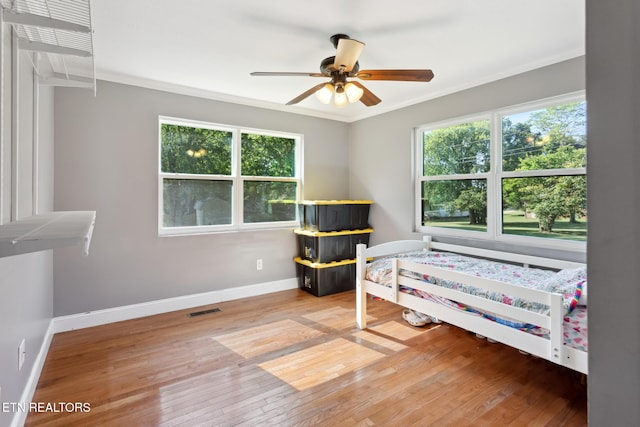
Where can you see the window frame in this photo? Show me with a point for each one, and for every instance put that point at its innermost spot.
(421, 178)
(494, 177)
(236, 178)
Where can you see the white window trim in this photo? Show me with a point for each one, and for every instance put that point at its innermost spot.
(494, 178)
(235, 177)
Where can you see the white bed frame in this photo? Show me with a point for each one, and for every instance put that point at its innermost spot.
(551, 349)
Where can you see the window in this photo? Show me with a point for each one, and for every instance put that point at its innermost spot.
(220, 178)
(456, 163)
(515, 175)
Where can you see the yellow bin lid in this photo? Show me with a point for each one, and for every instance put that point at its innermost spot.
(324, 264)
(336, 202)
(331, 233)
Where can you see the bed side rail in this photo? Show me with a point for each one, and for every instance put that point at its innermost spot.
(496, 307)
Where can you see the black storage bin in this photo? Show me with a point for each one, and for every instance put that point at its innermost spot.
(334, 215)
(326, 278)
(329, 246)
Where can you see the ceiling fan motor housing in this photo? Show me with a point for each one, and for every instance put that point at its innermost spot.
(328, 68)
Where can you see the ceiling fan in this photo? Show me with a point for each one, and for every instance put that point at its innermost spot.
(345, 65)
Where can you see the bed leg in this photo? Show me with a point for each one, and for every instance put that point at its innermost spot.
(361, 310)
(361, 293)
(556, 331)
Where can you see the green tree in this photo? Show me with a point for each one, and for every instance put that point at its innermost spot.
(459, 149)
(474, 200)
(264, 155)
(555, 196)
(192, 150)
(518, 141)
(561, 125)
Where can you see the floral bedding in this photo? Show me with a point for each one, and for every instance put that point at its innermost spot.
(571, 283)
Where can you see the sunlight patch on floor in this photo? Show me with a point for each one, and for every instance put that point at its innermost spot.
(265, 338)
(321, 363)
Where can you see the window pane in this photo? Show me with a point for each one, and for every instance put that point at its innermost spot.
(269, 201)
(458, 204)
(549, 138)
(195, 150)
(264, 155)
(459, 149)
(553, 207)
(191, 202)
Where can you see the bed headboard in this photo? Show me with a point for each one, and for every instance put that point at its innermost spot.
(526, 260)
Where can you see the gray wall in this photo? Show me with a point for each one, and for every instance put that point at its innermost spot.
(613, 183)
(380, 149)
(106, 160)
(26, 280)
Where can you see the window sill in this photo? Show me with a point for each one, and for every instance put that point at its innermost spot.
(47, 231)
(195, 231)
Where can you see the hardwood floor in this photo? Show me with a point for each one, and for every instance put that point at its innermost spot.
(291, 359)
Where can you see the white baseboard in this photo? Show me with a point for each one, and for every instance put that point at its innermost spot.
(117, 314)
(20, 417)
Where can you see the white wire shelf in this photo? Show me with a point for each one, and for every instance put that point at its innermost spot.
(60, 33)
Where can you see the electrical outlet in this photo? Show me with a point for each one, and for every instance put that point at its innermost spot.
(22, 353)
(259, 265)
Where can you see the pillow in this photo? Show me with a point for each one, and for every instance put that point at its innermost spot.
(572, 284)
(574, 277)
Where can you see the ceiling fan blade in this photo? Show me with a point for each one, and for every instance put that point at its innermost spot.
(368, 98)
(306, 94)
(400, 75)
(347, 54)
(270, 73)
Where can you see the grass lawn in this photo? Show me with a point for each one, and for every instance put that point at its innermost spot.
(514, 222)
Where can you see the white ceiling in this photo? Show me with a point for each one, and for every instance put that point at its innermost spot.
(208, 48)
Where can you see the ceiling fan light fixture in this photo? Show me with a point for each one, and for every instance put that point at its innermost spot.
(340, 98)
(325, 93)
(354, 93)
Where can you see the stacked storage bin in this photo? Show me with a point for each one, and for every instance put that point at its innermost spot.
(327, 241)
